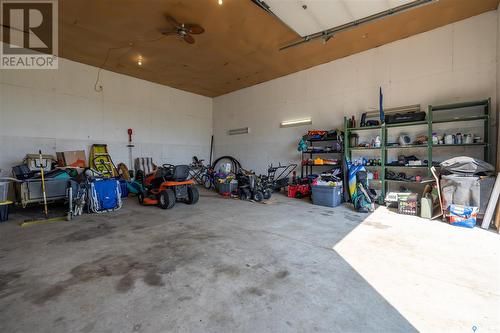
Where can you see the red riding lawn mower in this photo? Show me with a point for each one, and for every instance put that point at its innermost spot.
(167, 185)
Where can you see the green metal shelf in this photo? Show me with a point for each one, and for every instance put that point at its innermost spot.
(482, 144)
(364, 148)
(364, 128)
(384, 148)
(406, 147)
(455, 119)
(444, 107)
(423, 181)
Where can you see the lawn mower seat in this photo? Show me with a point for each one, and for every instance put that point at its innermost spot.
(180, 173)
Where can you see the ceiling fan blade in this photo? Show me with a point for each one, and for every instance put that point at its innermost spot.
(188, 38)
(167, 31)
(194, 28)
(172, 21)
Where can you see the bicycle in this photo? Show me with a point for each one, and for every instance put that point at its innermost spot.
(208, 178)
(197, 170)
(202, 174)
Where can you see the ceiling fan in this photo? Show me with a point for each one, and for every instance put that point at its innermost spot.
(183, 30)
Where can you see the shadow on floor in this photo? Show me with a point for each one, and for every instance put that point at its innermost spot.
(219, 266)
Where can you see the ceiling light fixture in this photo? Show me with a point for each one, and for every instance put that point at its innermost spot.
(139, 61)
(296, 122)
(219, 2)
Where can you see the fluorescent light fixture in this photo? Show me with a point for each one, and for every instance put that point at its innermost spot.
(296, 122)
(237, 131)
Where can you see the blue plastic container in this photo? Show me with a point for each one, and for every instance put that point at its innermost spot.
(328, 196)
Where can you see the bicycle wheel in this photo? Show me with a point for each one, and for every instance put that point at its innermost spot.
(206, 181)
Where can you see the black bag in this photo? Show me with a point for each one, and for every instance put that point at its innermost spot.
(404, 117)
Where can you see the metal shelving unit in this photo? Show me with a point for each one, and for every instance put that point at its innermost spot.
(381, 130)
(308, 168)
(484, 105)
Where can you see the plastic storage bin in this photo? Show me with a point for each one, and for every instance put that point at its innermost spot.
(4, 191)
(4, 210)
(329, 196)
(225, 188)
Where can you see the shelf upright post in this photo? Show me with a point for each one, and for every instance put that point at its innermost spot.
(487, 131)
(302, 165)
(347, 147)
(310, 171)
(429, 139)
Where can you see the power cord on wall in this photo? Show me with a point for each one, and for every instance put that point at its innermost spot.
(130, 45)
(108, 52)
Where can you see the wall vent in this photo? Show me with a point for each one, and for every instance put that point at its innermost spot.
(237, 131)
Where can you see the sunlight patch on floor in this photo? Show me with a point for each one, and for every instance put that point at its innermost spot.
(439, 277)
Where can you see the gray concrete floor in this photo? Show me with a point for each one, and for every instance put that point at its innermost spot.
(225, 265)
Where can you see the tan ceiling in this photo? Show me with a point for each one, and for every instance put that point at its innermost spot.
(239, 47)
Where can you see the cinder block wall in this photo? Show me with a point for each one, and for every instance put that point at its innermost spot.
(457, 62)
(57, 110)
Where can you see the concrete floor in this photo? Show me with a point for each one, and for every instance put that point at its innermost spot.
(225, 265)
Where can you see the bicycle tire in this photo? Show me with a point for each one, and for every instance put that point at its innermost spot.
(206, 182)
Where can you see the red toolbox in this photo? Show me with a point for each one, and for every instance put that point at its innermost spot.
(299, 191)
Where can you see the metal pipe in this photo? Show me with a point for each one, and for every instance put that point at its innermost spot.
(329, 33)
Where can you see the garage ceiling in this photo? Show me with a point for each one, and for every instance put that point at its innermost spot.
(307, 17)
(239, 48)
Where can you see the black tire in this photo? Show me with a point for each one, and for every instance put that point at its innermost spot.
(193, 195)
(139, 176)
(244, 195)
(258, 196)
(166, 199)
(235, 164)
(140, 196)
(267, 194)
(207, 183)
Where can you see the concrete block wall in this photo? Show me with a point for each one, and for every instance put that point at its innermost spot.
(457, 62)
(57, 110)
(60, 110)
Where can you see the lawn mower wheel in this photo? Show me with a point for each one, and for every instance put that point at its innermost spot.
(166, 199)
(193, 195)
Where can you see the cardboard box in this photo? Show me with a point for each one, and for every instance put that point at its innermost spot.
(72, 158)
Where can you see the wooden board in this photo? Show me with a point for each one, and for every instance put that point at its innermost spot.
(497, 217)
(492, 204)
(239, 47)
